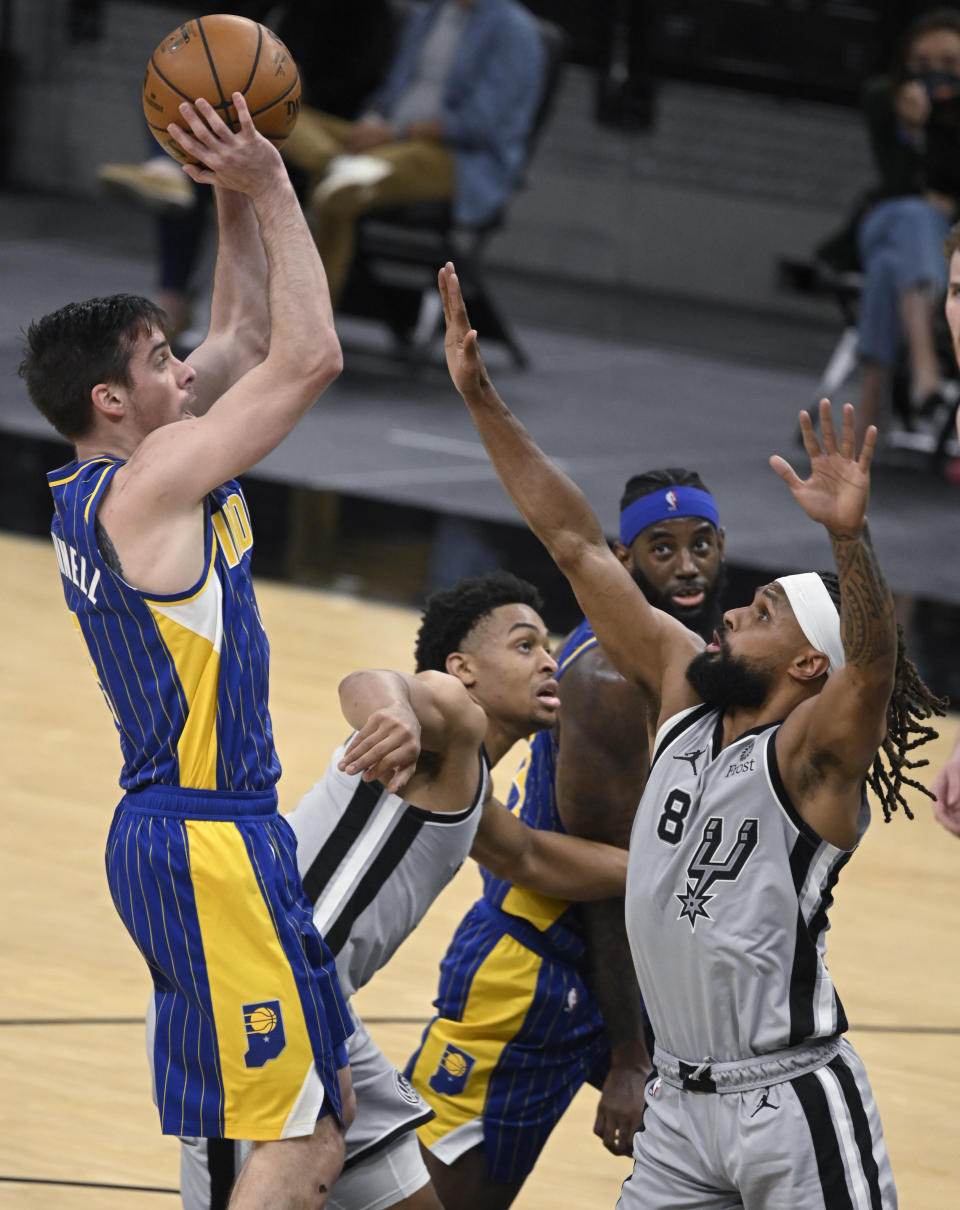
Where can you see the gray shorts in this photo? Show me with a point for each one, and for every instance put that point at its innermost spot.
(810, 1142)
(383, 1164)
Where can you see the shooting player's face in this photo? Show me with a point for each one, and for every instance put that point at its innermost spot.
(161, 386)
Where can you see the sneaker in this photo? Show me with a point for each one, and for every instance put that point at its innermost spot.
(157, 183)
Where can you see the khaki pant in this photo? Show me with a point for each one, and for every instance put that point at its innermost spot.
(421, 171)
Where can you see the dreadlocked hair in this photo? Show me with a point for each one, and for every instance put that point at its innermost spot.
(450, 615)
(911, 703)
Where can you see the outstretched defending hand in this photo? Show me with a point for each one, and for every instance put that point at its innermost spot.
(460, 343)
(386, 748)
(836, 493)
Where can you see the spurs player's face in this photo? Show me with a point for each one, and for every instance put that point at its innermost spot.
(765, 630)
(511, 671)
(749, 652)
(953, 313)
(161, 386)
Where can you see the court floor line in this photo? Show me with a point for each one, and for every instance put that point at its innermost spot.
(41, 1180)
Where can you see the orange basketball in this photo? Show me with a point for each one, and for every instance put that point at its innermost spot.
(214, 57)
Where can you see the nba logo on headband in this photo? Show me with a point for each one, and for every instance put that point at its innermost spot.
(666, 505)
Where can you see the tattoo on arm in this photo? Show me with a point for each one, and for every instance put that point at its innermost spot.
(866, 606)
(106, 547)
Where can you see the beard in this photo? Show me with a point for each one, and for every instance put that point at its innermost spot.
(723, 680)
(702, 619)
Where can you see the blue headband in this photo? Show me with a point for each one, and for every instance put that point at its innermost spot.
(663, 504)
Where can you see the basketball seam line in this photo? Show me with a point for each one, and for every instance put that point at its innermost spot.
(223, 104)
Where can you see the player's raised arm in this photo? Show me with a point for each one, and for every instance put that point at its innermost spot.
(830, 741)
(303, 356)
(643, 643)
(239, 333)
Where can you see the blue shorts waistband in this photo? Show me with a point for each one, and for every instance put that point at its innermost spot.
(185, 803)
(568, 948)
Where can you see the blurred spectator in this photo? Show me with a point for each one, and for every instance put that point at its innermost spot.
(450, 123)
(900, 237)
(342, 50)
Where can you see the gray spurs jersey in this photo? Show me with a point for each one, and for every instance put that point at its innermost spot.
(372, 863)
(727, 896)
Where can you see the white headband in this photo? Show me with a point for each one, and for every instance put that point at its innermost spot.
(816, 615)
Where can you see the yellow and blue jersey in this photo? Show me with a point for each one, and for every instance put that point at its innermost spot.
(185, 675)
(533, 798)
(517, 1029)
(251, 1021)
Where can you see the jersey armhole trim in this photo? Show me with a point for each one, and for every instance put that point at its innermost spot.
(209, 561)
(675, 726)
(570, 657)
(453, 817)
(783, 797)
(93, 500)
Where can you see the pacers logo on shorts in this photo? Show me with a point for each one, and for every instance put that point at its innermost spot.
(452, 1072)
(263, 1022)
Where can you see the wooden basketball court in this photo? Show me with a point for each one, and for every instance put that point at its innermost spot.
(77, 1128)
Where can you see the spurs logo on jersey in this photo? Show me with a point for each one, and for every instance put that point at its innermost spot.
(726, 880)
(703, 871)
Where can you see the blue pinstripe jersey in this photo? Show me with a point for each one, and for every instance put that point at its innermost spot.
(533, 797)
(185, 676)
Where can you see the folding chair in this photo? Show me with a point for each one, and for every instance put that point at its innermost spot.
(399, 251)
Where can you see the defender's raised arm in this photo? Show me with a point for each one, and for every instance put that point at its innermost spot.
(829, 742)
(644, 644)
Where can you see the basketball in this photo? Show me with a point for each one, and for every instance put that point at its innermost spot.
(214, 57)
(262, 1020)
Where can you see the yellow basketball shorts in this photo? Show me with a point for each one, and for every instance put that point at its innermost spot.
(251, 1021)
(517, 1033)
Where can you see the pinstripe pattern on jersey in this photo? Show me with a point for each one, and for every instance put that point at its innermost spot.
(533, 799)
(185, 675)
(531, 1029)
(503, 1008)
(207, 886)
